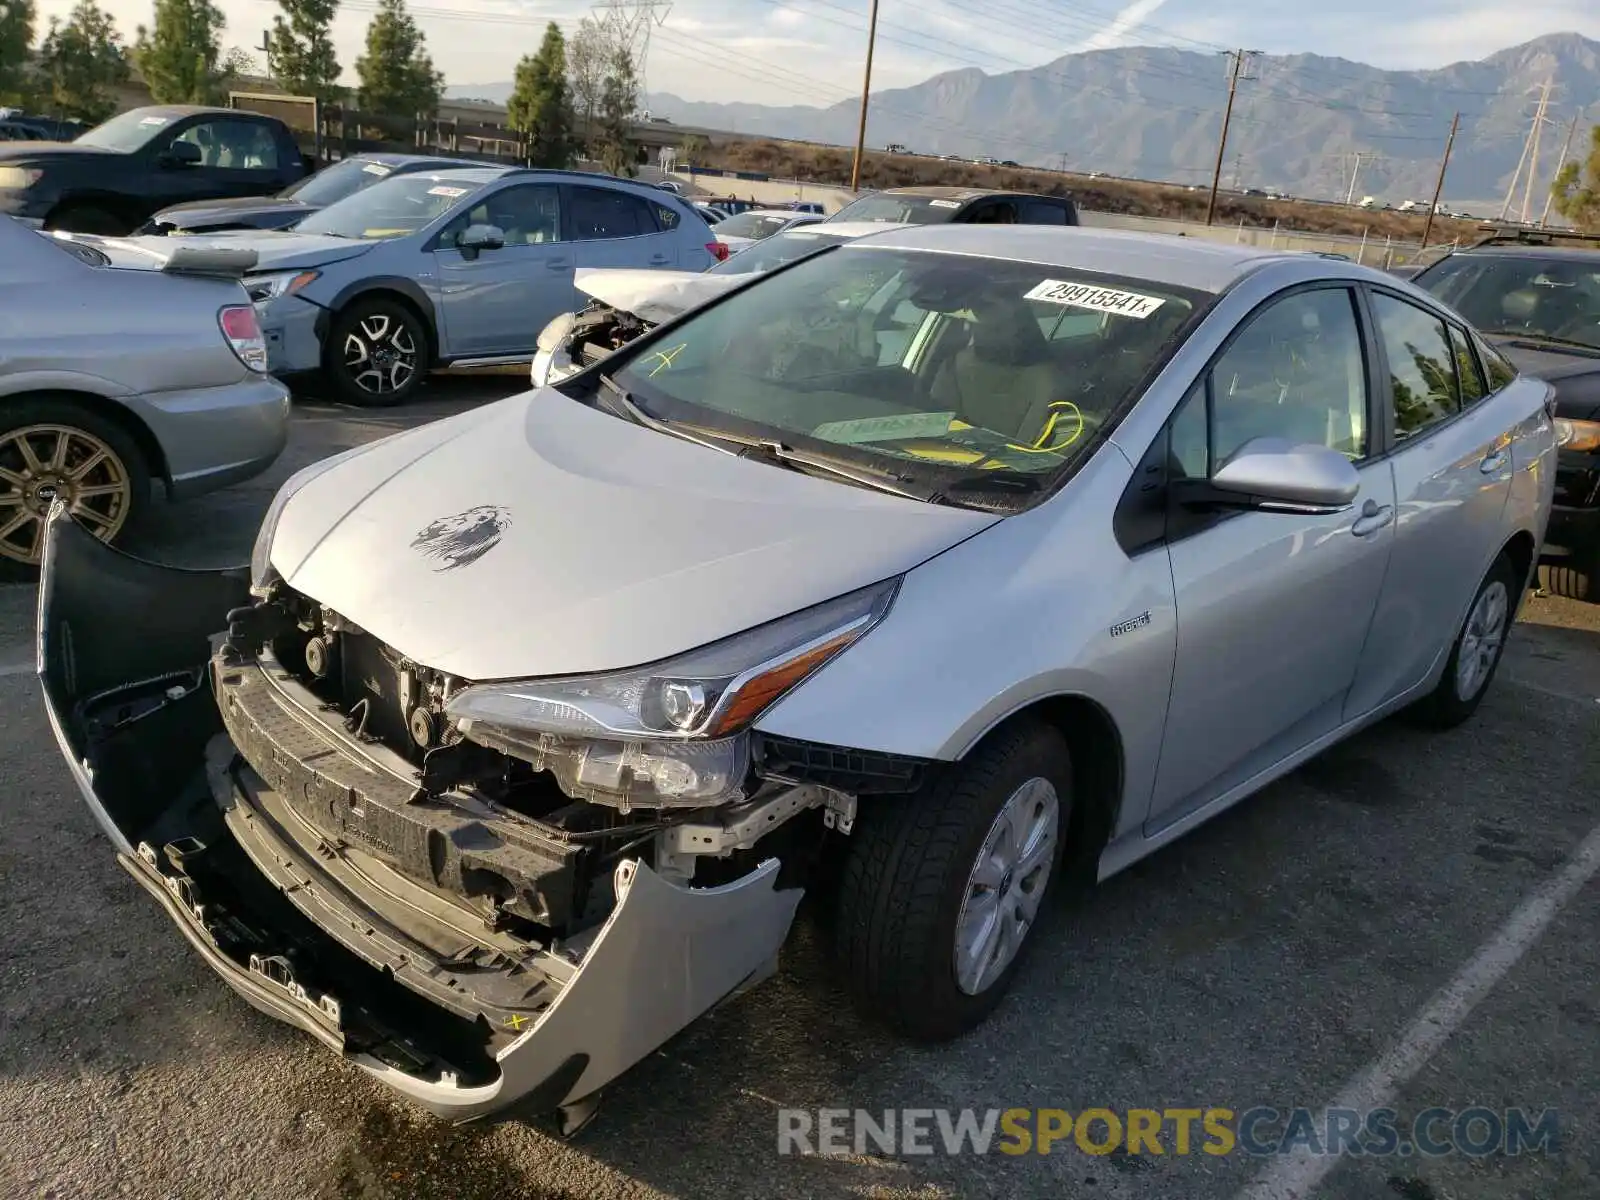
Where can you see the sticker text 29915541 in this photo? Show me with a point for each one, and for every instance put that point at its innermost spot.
(1092, 296)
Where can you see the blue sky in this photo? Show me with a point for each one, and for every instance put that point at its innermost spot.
(809, 51)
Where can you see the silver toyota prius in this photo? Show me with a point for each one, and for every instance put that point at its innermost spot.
(941, 570)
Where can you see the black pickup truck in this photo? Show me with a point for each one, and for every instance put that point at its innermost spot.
(111, 179)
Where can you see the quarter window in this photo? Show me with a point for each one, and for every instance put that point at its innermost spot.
(1295, 371)
(1500, 371)
(1422, 372)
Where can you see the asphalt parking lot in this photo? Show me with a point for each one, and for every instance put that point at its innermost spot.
(1318, 941)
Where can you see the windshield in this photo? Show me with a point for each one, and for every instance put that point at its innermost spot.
(125, 132)
(885, 206)
(344, 178)
(392, 208)
(931, 366)
(753, 225)
(775, 251)
(1522, 295)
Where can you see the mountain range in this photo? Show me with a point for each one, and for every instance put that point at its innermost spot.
(1300, 121)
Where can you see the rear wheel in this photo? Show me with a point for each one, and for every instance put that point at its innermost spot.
(1478, 647)
(940, 890)
(377, 353)
(87, 218)
(60, 450)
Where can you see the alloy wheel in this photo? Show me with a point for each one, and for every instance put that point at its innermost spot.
(1006, 885)
(380, 354)
(1481, 640)
(40, 464)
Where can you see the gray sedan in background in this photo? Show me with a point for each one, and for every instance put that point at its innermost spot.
(120, 366)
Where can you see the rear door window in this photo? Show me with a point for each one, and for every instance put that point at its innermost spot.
(1043, 212)
(601, 213)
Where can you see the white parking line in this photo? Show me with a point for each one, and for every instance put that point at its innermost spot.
(1293, 1178)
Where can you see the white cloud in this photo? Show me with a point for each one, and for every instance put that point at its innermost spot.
(786, 18)
(1125, 21)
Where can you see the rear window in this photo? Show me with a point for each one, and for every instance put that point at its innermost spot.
(753, 225)
(775, 251)
(887, 206)
(924, 364)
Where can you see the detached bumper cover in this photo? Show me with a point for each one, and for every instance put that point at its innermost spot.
(326, 941)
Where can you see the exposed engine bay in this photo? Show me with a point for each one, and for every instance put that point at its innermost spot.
(598, 330)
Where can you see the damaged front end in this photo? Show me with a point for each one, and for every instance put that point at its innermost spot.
(479, 919)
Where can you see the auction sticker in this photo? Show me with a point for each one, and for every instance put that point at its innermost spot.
(452, 193)
(1094, 297)
(944, 204)
(377, 169)
(152, 120)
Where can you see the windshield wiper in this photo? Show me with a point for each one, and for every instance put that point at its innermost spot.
(1525, 335)
(765, 450)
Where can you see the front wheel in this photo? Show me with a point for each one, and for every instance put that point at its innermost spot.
(941, 890)
(377, 353)
(1476, 653)
(52, 450)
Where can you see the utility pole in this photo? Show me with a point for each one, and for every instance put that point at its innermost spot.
(1235, 73)
(1527, 147)
(866, 91)
(1566, 148)
(1438, 188)
(1355, 173)
(1533, 159)
(1063, 162)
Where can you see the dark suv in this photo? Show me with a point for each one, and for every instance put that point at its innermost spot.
(962, 206)
(1536, 296)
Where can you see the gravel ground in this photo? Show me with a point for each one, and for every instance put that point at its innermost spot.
(1266, 959)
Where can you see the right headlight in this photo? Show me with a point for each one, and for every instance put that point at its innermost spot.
(674, 732)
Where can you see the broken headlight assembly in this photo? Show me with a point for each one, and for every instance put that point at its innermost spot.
(674, 734)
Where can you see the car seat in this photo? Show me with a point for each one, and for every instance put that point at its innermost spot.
(1003, 378)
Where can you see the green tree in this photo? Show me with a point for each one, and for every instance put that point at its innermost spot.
(180, 57)
(589, 57)
(540, 106)
(81, 62)
(1576, 190)
(397, 76)
(300, 53)
(16, 40)
(619, 101)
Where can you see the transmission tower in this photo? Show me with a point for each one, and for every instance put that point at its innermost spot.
(629, 23)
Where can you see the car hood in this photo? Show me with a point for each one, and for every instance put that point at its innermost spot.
(42, 153)
(1576, 378)
(653, 296)
(538, 536)
(275, 250)
(198, 211)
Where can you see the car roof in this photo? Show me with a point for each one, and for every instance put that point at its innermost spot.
(1156, 257)
(963, 193)
(1533, 250)
(399, 160)
(173, 111)
(486, 174)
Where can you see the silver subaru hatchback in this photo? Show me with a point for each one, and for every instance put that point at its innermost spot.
(937, 569)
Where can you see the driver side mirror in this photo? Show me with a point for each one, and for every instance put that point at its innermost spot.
(1277, 475)
(477, 238)
(181, 154)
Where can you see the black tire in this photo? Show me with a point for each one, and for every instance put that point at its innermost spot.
(88, 218)
(107, 514)
(1446, 707)
(1575, 578)
(907, 874)
(382, 328)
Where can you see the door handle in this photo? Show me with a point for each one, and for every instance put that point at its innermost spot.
(1493, 463)
(657, 260)
(558, 264)
(1372, 518)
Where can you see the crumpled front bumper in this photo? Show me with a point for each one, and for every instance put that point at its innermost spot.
(122, 653)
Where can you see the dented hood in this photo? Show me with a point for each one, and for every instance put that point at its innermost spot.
(538, 536)
(654, 296)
